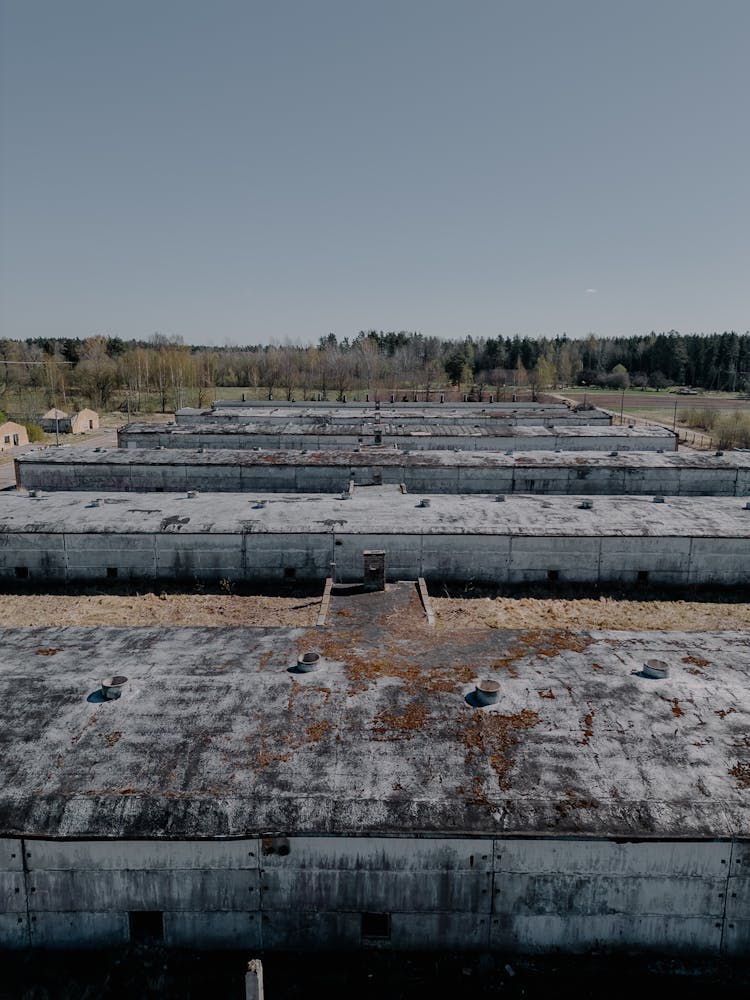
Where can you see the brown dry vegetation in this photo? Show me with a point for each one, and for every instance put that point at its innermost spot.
(589, 613)
(167, 609)
(130, 610)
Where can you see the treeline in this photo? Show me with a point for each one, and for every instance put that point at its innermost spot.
(164, 372)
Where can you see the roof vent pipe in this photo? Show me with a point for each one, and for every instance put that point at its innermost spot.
(486, 692)
(192, 494)
(658, 500)
(614, 454)
(719, 454)
(307, 662)
(424, 503)
(747, 505)
(586, 504)
(500, 498)
(656, 670)
(112, 686)
(259, 504)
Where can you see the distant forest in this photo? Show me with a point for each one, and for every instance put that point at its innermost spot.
(163, 372)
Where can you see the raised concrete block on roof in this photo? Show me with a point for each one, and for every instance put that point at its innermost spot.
(586, 472)
(548, 820)
(69, 536)
(465, 415)
(425, 437)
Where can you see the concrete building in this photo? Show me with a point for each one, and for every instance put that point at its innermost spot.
(55, 421)
(411, 437)
(462, 414)
(684, 473)
(12, 435)
(523, 539)
(226, 800)
(83, 421)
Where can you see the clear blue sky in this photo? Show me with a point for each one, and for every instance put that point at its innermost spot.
(237, 171)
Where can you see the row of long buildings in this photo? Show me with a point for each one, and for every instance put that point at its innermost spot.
(378, 780)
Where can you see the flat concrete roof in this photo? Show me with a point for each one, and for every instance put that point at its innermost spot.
(416, 430)
(214, 737)
(388, 413)
(368, 456)
(373, 510)
(385, 404)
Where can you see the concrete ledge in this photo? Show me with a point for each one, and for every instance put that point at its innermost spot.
(325, 603)
(425, 598)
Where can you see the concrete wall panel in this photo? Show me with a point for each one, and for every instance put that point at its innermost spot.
(140, 855)
(385, 854)
(183, 556)
(270, 556)
(79, 929)
(578, 934)
(631, 895)
(14, 930)
(106, 891)
(11, 856)
(12, 892)
(377, 891)
(720, 560)
(738, 898)
(308, 929)
(704, 859)
(572, 558)
(437, 931)
(736, 937)
(212, 930)
(43, 555)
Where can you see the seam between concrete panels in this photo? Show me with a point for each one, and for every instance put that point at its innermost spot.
(26, 877)
(66, 574)
(727, 883)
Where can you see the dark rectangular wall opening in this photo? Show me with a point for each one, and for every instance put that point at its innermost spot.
(111, 572)
(642, 576)
(376, 925)
(146, 925)
(553, 575)
(290, 573)
(22, 572)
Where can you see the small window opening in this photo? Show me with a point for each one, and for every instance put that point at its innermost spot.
(642, 576)
(376, 925)
(22, 572)
(553, 575)
(146, 925)
(111, 572)
(290, 573)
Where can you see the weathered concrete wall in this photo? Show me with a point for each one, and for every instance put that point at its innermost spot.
(545, 439)
(148, 471)
(310, 892)
(491, 558)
